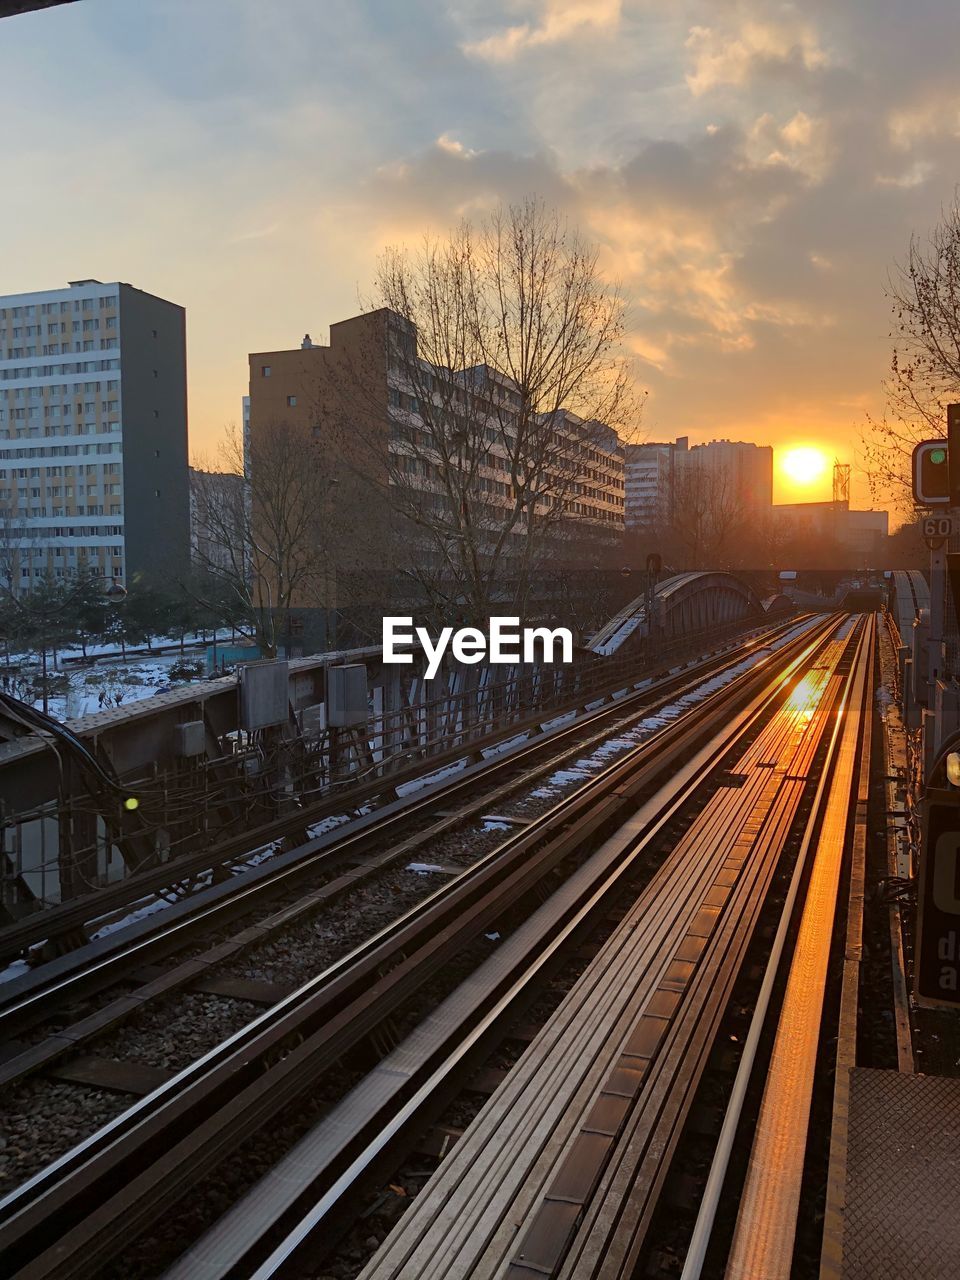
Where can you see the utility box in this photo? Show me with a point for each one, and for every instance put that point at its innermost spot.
(189, 739)
(347, 695)
(264, 695)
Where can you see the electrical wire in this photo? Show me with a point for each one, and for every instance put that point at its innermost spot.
(43, 724)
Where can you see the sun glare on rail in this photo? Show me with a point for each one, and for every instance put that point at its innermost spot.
(804, 697)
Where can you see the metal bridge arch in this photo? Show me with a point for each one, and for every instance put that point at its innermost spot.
(682, 604)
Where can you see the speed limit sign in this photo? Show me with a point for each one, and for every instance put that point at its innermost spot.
(936, 529)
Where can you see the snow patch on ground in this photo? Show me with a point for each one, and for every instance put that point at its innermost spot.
(134, 917)
(417, 784)
(15, 969)
(328, 824)
(130, 681)
(586, 767)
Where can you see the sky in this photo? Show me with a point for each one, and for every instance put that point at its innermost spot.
(750, 172)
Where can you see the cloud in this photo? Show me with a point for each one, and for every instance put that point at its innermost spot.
(560, 21)
(801, 143)
(722, 57)
(749, 170)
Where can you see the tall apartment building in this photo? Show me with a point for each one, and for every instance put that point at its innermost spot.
(93, 434)
(357, 380)
(649, 473)
(747, 468)
(658, 475)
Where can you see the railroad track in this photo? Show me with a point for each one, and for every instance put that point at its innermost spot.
(562, 1171)
(604, 1174)
(85, 1034)
(62, 927)
(374, 842)
(560, 735)
(117, 1182)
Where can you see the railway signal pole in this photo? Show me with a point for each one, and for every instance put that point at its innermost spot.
(937, 963)
(936, 486)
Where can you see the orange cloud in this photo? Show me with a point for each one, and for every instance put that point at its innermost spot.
(561, 19)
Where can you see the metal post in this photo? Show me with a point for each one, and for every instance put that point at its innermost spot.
(938, 605)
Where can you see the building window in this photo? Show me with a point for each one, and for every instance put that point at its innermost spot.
(265, 371)
(291, 402)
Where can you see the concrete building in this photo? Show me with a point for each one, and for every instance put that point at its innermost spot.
(93, 434)
(657, 475)
(747, 468)
(354, 395)
(862, 535)
(219, 521)
(649, 475)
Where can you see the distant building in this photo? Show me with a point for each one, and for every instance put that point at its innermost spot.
(649, 473)
(658, 475)
(93, 433)
(359, 380)
(746, 468)
(862, 534)
(218, 521)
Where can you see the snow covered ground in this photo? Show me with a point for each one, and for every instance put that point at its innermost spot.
(585, 768)
(139, 677)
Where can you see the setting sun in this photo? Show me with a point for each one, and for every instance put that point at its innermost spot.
(805, 465)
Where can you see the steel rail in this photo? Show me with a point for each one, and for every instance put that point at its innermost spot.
(766, 1224)
(221, 1099)
(330, 1165)
(469, 1204)
(312, 1170)
(621, 1218)
(831, 783)
(69, 917)
(89, 968)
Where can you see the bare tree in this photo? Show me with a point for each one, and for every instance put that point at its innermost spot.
(506, 377)
(706, 517)
(260, 535)
(925, 364)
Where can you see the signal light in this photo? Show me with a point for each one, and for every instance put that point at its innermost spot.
(931, 474)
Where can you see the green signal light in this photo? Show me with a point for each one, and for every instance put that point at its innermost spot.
(131, 803)
(938, 456)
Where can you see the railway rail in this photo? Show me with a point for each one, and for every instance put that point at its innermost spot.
(561, 1173)
(117, 1182)
(360, 849)
(86, 1033)
(66, 922)
(62, 926)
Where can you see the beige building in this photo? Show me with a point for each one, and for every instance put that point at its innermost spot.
(363, 409)
(659, 474)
